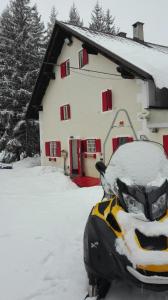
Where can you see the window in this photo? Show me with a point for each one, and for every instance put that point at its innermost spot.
(65, 68)
(65, 112)
(53, 149)
(91, 145)
(116, 142)
(83, 58)
(107, 100)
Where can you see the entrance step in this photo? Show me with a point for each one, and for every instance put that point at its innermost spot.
(86, 181)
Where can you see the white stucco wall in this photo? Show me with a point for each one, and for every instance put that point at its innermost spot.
(83, 91)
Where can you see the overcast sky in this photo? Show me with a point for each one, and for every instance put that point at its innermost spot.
(154, 13)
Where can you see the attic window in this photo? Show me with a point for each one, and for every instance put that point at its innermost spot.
(65, 68)
(83, 58)
(107, 100)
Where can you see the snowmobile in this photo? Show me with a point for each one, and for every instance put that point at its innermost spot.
(126, 235)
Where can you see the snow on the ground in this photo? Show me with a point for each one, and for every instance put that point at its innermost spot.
(42, 218)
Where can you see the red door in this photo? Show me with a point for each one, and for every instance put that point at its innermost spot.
(75, 151)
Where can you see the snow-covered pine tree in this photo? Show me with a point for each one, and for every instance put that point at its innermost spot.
(74, 17)
(50, 24)
(97, 18)
(109, 25)
(6, 109)
(23, 36)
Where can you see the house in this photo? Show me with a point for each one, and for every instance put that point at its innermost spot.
(85, 78)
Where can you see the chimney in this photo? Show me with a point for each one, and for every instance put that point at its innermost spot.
(138, 33)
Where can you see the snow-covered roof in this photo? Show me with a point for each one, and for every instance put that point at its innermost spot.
(150, 58)
(143, 60)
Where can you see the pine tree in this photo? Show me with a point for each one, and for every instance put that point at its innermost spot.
(109, 25)
(50, 24)
(101, 21)
(6, 111)
(97, 18)
(74, 17)
(23, 40)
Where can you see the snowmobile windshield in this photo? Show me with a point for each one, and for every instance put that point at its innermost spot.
(137, 173)
(151, 201)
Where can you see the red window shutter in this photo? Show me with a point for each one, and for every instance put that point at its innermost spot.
(47, 148)
(58, 149)
(165, 144)
(98, 145)
(69, 111)
(85, 57)
(63, 69)
(129, 139)
(61, 113)
(104, 101)
(115, 143)
(109, 99)
(84, 145)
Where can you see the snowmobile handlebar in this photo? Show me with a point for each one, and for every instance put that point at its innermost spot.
(100, 167)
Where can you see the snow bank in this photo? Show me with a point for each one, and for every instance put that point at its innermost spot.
(28, 162)
(42, 219)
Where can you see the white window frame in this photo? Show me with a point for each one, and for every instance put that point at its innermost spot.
(91, 145)
(53, 149)
(65, 112)
(67, 67)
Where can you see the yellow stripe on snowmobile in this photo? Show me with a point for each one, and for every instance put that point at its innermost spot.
(153, 268)
(164, 217)
(115, 210)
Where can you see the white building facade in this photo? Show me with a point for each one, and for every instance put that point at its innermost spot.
(80, 101)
